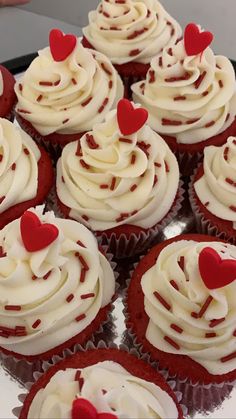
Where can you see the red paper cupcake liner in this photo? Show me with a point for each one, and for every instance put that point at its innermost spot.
(181, 367)
(91, 354)
(206, 222)
(189, 155)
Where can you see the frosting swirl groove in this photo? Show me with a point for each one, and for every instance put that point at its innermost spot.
(191, 98)
(109, 387)
(19, 157)
(108, 180)
(187, 318)
(217, 186)
(70, 96)
(51, 295)
(129, 30)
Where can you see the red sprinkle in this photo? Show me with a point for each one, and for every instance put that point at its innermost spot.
(155, 180)
(172, 342)
(1, 157)
(176, 328)
(228, 357)
(135, 34)
(74, 81)
(105, 102)
(162, 300)
(45, 83)
(26, 151)
(205, 306)
(174, 285)
(2, 253)
(104, 186)
(36, 324)
(65, 121)
(221, 84)
(234, 334)
(20, 87)
(157, 164)
(47, 275)
(80, 317)
(62, 179)
(56, 83)
(194, 315)
(233, 208)
(85, 296)
(106, 14)
(134, 52)
(176, 98)
(13, 166)
(186, 76)
(12, 308)
(77, 375)
(133, 159)
(104, 67)
(2, 199)
(215, 322)
(85, 217)
(167, 167)
(34, 277)
(78, 150)
(200, 80)
(170, 122)
(86, 102)
(113, 184)
(152, 76)
(205, 93)
(207, 203)
(226, 152)
(125, 140)
(80, 243)
(170, 51)
(160, 62)
(23, 111)
(81, 383)
(230, 181)
(82, 275)
(39, 98)
(210, 124)
(84, 164)
(91, 142)
(227, 117)
(181, 263)
(82, 261)
(70, 298)
(192, 121)
(133, 187)
(210, 335)
(110, 84)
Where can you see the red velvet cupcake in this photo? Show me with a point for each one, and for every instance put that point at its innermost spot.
(190, 96)
(212, 192)
(7, 94)
(65, 90)
(101, 383)
(184, 311)
(130, 33)
(26, 173)
(63, 286)
(121, 180)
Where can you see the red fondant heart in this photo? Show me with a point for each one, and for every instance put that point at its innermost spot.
(130, 120)
(216, 272)
(196, 42)
(35, 235)
(61, 45)
(83, 409)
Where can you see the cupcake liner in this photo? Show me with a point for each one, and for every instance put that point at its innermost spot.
(123, 246)
(203, 225)
(90, 346)
(22, 369)
(187, 161)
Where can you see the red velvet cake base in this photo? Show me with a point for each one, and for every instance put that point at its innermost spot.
(133, 365)
(8, 98)
(45, 182)
(223, 226)
(182, 365)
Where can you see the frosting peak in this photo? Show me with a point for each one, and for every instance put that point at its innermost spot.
(129, 30)
(189, 97)
(68, 96)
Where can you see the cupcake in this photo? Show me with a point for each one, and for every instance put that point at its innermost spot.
(190, 96)
(26, 174)
(121, 180)
(65, 91)
(7, 94)
(130, 33)
(55, 286)
(184, 311)
(213, 192)
(104, 384)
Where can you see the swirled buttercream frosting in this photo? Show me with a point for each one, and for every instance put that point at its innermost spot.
(191, 98)
(69, 96)
(217, 186)
(108, 180)
(185, 317)
(130, 30)
(19, 157)
(49, 296)
(109, 387)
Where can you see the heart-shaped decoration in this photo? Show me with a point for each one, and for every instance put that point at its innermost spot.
(130, 120)
(61, 45)
(83, 409)
(196, 42)
(216, 272)
(35, 235)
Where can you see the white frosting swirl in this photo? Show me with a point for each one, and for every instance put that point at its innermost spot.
(19, 157)
(191, 98)
(125, 395)
(118, 29)
(217, 186)
(57, 299)
(69, 96)
(1, 83)
(189, 297)
(126, 181)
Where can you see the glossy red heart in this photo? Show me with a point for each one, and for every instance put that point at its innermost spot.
(35, 235)
(130, 120)
(61, 45)
(216, 272)
(83, 409)
(196, 42)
